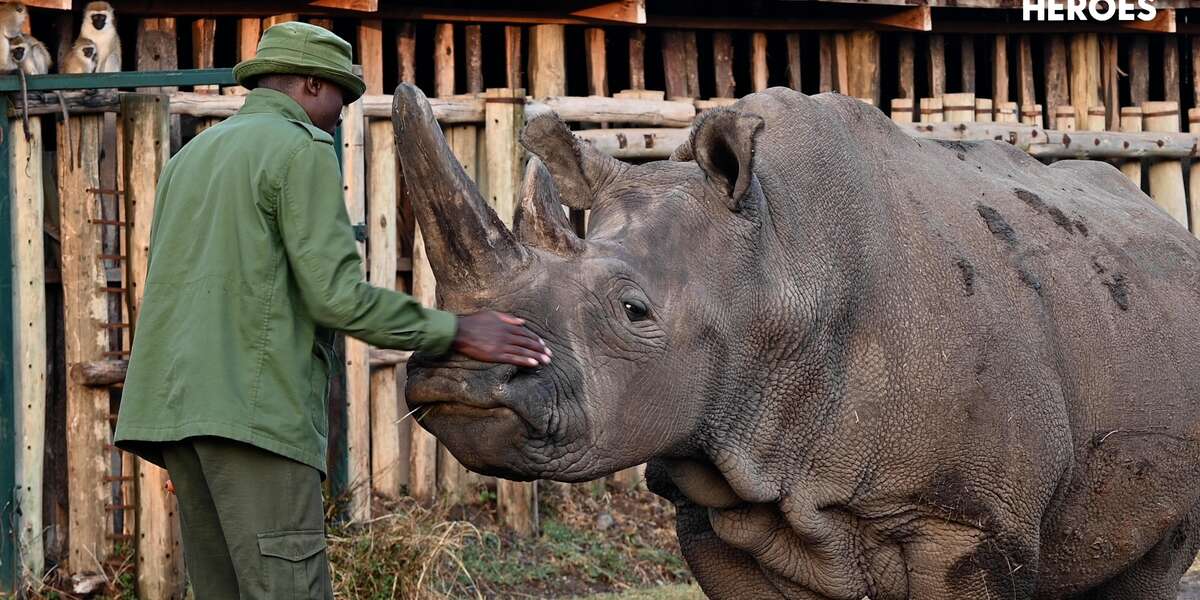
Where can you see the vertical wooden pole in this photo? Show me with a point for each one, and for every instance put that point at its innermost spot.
(248, 32)
(935, 65)
(1095, 119)
(406, 53)
(931, 110)
(388, 458)
(1065, 118)
(1085, 74)
(692, 55)
(85, 309)
(1139, 70)
(597, 62)
(9, 581)
(1196, 68)
(443, 60)
(1000, 68)
(841, 67)
(637, 59)
(1032, 115)
(902, 110)
(906, 85)
(273, 20)
(146, 147)
(722, 47)
(358, 367)
(966, 63)
(64, 25)
(1166, 176)
(204, 34)
(512, 56)
(1110, 86)
(1194, 171)
(473, 44)
(1170, 64)
(547, 61)
(29, 338)
(1131, 122)
(1026, 95)
(825, 81)
(674, 64)
(423, 447)
(958, 108)
(504, 118)
(793, 60)
(1057, 80)
(984, 110)
(370, 53)
(759, 75)
(863, 65)
(157, 50)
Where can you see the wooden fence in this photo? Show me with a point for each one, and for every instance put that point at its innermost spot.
(107, 160)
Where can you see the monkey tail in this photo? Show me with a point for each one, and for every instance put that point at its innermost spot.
(25, 106)
(75, 151)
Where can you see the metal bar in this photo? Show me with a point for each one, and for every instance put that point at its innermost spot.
(8, 453)
(123, 79)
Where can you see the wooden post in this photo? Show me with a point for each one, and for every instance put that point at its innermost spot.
(1110, 93)
(504, 118)
(793, 60)
(692, 54)
(146, 148)
(512, 56)
(1139, 70)
(935, 65)
(984, 110)
(1194, 171)
(1170, 63)
(637, 60)
(722, 47)
(1057, 81)
(906, 84)
(64, 25)
(406, 53)
(388, 459)
(1196, 68)
(473, 43)
(204, 34)
(248, 32)
(423, 447)
(271, 21)
(1166, 176)
(324, 22)
(674, 53)
(1006, 112)
(1026, 96)
(358, 367)
(1032, 115)
(29, 338)
(841, 67)
(85, 309)
(597, 61)
(1095, 119)
(931, 110)
(1131, 122)
(1064, 118)
(825, 83)
(1085, 74)
(966, 62)
(443, 60)
(863, 64)
(902, 110)
(547, 61)
(157, 50)
(999, 69)
(759, 74)
(958, 108)
(370, 53)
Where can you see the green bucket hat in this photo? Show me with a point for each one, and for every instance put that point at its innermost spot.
(295, 48)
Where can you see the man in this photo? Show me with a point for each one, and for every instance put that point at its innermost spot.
(252, 262)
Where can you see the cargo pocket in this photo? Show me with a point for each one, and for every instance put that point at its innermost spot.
(295, 565)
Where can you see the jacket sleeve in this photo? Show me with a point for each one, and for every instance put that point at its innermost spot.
(324, 260)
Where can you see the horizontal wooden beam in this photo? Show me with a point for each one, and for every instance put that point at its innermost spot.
(1049, 143)
(649, 143)
(388, 358)
(354, 5)
(99, 373)
(621, 11)
(1163, 22)
(53, 4)
(917, 18)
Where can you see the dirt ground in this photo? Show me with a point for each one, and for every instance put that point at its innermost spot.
(1189, 586)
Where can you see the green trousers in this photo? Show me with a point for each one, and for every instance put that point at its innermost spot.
(253, 521)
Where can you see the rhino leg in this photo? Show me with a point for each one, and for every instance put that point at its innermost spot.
(1155, 576)
(951, 561)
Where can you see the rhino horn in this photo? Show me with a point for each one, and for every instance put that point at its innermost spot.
(540, 220)
(465, 239)
(579, 170)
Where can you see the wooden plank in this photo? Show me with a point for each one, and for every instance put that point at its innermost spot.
(1055, 144)
(966, 62)
(512, 56)
(674, 57)
(1163, 21)
(204, 35)
(825, 81)
(935, 65)
(1110, 84)
(1166, 176)
(443, 60)
(902, 110)
(1095, 119)
(271, 21)
(1131, 122)
(1032, 115)
(595, 53)
(1194, 171)
(1057, 79)
(146, 147)
(984, 110)
(1139, 70)
(958, 107)
(722, 47)
(793, 60)
(931, 110)
(29, 338)
(157, 47)
(64, 26)
(1025, 94)
(547, 61)
(636, 143)
(322, 22)
(85, 309)
(863, 65)
(473, 47)
(906, 85)
(1085, 74)
(387, 456)
(759, 75)
(692, 68)
(357, 358)
(654, 113)
(618, 11)
(841, 68)
(999, 68)
(1065, 118)
(370, 53)
(637, 60)
(406, 52)
(916, 18)
(517, 502)
(1170, 66)
(1196, 68)
(355, 5)
(423, 447)
(1006, 112)
(248, 32)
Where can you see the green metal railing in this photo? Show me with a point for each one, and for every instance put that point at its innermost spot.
(130, 79)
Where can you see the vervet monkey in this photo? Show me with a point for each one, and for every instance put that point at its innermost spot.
(82, 58)
(99, 25)
(30, 54)
(12, 18)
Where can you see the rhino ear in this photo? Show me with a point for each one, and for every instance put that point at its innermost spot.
(723, 145)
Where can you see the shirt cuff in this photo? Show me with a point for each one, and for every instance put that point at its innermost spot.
(440, 329)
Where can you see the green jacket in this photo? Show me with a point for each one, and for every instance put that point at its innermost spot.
(252, 257)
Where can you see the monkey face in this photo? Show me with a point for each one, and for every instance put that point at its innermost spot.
(18, 52)
(89, 52)
(99, 20)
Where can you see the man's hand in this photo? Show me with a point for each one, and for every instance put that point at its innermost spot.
(491, 336)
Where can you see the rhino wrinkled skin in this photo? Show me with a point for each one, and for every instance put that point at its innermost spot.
(859, 364)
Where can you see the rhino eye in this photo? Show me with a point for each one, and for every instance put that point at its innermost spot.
(635, 310)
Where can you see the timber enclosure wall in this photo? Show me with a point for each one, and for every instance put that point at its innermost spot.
(629, 76)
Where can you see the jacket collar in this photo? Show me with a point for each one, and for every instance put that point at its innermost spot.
(265, 100)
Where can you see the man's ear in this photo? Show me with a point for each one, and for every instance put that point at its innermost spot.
(723, 145)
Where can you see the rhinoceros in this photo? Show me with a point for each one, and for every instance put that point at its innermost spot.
(860, 364)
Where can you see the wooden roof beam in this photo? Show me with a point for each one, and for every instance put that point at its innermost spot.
(621, 11)
(916, 18)
(354, 5)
